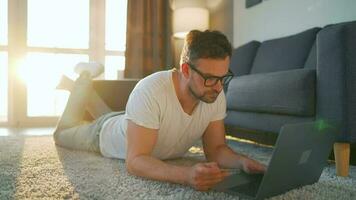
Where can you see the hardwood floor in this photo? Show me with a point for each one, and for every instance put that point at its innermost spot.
(9, 132)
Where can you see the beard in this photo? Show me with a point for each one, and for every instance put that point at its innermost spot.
(207, 97)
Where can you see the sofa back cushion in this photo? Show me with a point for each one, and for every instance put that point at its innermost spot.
(289, 92)
(284, 53)
(242, 58)
(311, 61)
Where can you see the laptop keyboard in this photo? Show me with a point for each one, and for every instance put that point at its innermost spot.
(249, 189)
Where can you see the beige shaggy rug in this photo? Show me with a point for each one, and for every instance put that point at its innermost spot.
(32, 167)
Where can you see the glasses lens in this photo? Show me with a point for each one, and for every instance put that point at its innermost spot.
(211, 81)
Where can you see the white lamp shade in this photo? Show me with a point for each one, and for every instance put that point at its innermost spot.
(189, 18)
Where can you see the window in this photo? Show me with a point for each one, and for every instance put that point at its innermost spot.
(3, 86)
(58, 23)
(3, 61)
(51, 101)
(115, 38)
(115, 25)
(56, 35)
(115, 66)
(3, 22)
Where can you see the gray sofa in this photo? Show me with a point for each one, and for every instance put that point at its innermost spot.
(300, 78)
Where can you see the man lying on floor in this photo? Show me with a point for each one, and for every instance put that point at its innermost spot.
(166, 114)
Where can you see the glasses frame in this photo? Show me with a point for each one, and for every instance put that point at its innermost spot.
(223, 79)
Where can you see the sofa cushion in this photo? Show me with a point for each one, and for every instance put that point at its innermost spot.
(242, 58)
(289, 92)
(284, 53)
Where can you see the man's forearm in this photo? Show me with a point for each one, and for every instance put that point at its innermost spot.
(152, 168)
(227, 158)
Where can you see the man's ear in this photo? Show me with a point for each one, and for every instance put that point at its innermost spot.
(185, 70)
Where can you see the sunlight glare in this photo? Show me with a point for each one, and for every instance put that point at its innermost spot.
(4, 132)
(114, 67)
(58, 23)
(41, 73)
(3, 86)
(116, 25)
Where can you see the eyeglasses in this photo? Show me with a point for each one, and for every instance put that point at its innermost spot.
(210, 81)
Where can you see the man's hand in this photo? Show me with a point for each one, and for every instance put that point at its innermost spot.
(252, 167)
(203, 176)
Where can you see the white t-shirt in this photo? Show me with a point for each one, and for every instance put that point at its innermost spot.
(154, 104)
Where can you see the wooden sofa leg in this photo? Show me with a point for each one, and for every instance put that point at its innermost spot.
(342, 158)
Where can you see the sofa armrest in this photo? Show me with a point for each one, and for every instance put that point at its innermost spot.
(336, 77)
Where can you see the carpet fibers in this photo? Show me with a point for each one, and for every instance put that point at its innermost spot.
(32, 167)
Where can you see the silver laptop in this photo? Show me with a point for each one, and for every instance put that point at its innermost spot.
(298, 159)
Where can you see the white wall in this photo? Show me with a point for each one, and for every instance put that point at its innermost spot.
(276, 18)
(221, 16)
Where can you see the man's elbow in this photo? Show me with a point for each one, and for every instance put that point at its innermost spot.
(134, 165)
(130, 166)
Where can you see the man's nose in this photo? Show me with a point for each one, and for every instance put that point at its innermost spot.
(218, 86)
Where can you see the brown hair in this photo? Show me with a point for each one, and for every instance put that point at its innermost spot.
(207, 44)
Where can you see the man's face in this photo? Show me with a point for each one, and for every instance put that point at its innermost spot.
(202, 88)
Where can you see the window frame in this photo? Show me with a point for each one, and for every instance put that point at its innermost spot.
(17, 50)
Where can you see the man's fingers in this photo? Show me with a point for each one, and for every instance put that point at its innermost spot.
(263, 168)
(211, 175)
(211, 164)
(210, 183)
(254, 167)
(208, 169)
(208, 175)
(212, 178)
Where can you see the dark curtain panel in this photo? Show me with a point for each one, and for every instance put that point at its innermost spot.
(149, 37)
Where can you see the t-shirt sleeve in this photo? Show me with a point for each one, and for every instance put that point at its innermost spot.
(143, 109)
(219, 108)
